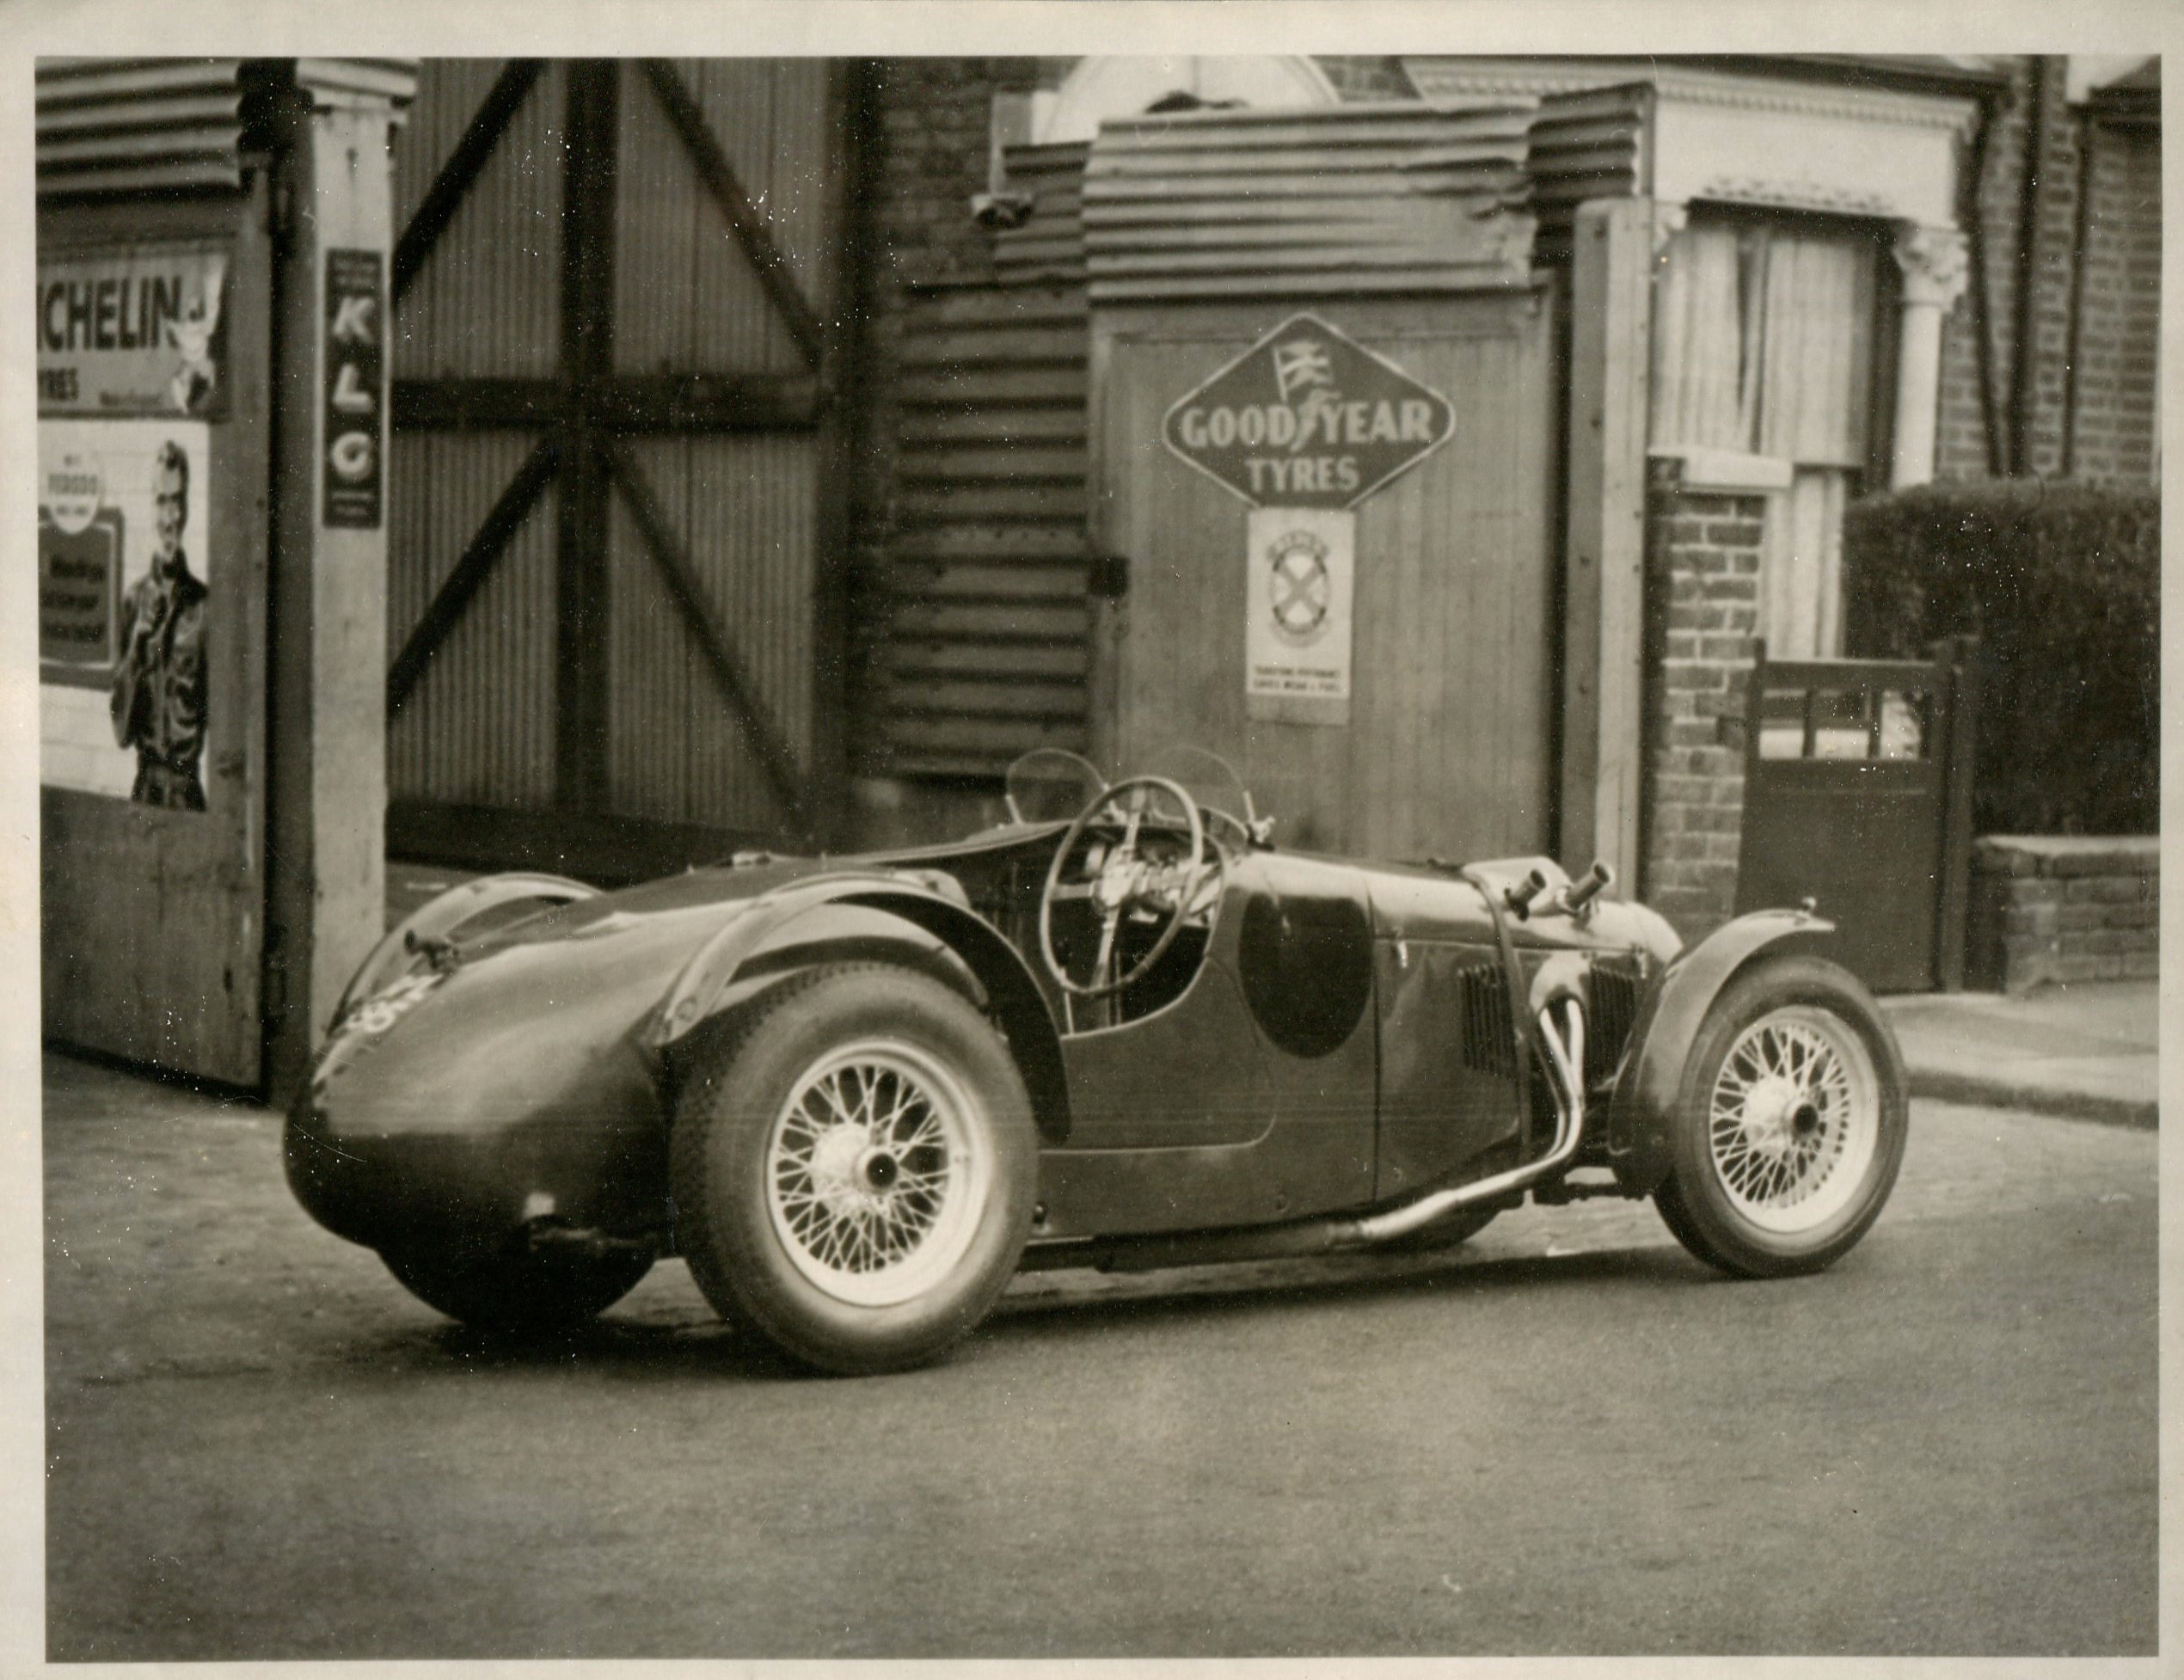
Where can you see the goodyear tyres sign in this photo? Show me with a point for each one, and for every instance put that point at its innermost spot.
(1308, 418)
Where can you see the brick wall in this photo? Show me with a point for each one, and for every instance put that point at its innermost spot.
(2046, 346)
(1702, 585)
(2114, 413)
(2062, 910)
(2088, 403)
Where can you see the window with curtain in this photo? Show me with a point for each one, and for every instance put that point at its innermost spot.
(1764, 344)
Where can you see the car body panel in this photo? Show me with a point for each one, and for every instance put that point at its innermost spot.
(1191, 1075)
(1206, 1110)
(1445, 1097)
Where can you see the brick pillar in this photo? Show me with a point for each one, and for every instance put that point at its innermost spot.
(1702, 549)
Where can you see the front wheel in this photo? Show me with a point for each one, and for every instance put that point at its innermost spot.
(1790, 1125)
(854, 1168)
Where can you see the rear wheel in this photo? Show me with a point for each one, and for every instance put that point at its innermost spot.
(1791, 1123)
(517, 1292)
(854, 1168)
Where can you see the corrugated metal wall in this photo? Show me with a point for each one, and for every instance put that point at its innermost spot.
(747, 506)
(479, 728)
(122, 125)
(1048, 244)
(986, 658)
(689, 302)
(985, 655)
(488, 303)
(1405, 227)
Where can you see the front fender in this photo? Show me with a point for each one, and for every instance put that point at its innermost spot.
(1642, 1115)
(846, 919)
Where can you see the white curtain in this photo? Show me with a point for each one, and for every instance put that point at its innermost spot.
(1801, 567)
(1815, 387)
(1763, 344)
(1701, 390)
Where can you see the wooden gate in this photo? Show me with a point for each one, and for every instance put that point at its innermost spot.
(1451, 746)
(615, 568)
(1858, 796)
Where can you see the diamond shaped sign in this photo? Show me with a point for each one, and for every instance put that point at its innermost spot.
(1308, 418)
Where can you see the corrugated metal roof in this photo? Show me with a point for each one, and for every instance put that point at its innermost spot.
(112, 126)
(1393, 197)
(128, 125)
(1593, 145)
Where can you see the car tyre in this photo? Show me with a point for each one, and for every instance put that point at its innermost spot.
(854, 1165)
(1791, 1122)
(517, 1292)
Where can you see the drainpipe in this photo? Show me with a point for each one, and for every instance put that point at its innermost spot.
(1972, 216)
(2021, 369)
(2088, 135)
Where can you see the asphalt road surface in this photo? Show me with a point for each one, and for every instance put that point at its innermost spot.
(1565, 1438)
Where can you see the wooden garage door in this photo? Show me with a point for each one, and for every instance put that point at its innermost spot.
(614, 565)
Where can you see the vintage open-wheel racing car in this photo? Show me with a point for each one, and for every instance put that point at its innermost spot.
(1122, 1029)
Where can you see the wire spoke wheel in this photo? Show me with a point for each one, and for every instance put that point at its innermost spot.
(1794, 1119)
(854, 1165)
(874, 1177)
(1790, 1121)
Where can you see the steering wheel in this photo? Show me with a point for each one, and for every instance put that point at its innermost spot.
(1124, 883)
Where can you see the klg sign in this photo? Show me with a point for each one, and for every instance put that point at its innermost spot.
(1308, 418)
(356, 352)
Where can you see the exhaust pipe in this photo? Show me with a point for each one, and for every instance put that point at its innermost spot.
(1566, 1052)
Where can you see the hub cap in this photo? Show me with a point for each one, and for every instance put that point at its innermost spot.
(873, 1179)
(1795, 1119)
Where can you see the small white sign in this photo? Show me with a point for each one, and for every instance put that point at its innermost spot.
(1297, 601)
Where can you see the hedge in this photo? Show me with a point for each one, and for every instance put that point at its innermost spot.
(2062, 584)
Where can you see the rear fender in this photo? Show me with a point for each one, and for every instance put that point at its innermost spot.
(1641, 1117)
(853, 922)
(438, 919)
